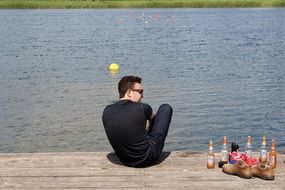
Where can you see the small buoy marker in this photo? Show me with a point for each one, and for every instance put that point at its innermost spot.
(115, 67)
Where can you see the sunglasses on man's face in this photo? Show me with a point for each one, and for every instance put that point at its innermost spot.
(138, 90)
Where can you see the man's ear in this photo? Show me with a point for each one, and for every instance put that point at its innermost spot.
(128, 93)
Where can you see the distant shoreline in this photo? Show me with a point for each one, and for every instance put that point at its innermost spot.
(102, 4)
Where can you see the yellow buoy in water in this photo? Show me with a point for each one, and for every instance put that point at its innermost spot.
(114, 67)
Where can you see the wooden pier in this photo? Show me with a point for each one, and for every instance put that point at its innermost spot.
(101, 170)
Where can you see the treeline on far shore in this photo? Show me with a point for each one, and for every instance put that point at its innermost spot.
(65, 4)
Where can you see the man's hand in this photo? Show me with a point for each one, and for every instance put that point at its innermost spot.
(151, 121)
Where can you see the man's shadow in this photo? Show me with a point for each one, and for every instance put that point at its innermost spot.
(112, 157)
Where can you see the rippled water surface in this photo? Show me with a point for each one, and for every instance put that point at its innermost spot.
(222, 70)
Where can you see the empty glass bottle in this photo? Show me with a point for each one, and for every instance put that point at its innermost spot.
(211, 156)
(224, 150)
(273, 155)
(263, 151)
(248, 147)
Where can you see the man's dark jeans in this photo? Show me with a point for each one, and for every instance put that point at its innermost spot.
(159, 130)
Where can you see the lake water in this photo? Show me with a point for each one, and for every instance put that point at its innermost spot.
(222, 70)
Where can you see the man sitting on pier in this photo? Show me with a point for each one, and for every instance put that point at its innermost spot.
(125, 123)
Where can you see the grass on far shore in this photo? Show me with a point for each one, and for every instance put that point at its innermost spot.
(61, 4)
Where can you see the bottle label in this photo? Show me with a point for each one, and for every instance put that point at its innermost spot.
(263, 153)
(224, 155)
(211, 159)
(263, 156)
(272, 160)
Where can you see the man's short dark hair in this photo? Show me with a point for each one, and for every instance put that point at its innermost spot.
(127, 82)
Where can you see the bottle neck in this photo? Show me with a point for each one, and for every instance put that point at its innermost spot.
(273, 146)
(263, 143)
(225, 141)
(248, 140)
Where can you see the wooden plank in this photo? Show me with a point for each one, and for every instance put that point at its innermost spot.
(176, 170)
(54, 159)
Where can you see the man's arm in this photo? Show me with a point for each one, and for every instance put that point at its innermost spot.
(151, 121)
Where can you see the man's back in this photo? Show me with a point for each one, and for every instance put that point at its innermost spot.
(125, 126)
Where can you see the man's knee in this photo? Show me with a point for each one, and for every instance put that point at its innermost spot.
(166, 107)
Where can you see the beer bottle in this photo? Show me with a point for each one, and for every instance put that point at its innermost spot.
(263, 151)
(224, 153)
(272, 155)
(248, 147)
(211, 156)
(224, 150)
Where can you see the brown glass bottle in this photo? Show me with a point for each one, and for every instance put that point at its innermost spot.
(263, 151)
(273, 155)
(211, 156)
